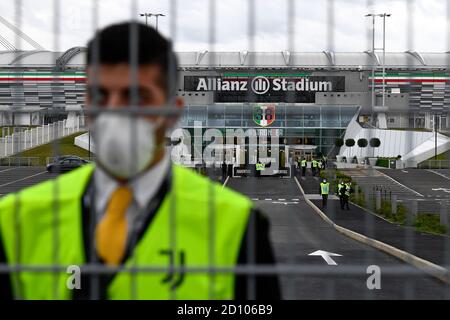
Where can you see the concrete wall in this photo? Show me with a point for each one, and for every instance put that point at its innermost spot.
(413, 146)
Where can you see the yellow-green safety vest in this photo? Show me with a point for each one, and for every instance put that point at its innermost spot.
(325, 188)
(260, 166)
(347, 189)
(303, 163)
(27, 231)
(314, 164)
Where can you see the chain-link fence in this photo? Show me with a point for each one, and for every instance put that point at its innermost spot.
(194, 248)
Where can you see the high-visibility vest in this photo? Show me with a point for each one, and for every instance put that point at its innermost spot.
(324, 188)
(303, 163)
(259, 166)
(27, 231)
(340, 186)
(314, 164)
(347, 189)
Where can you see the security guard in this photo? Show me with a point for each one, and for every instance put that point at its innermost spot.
(314, 167)
(131, 209)
(319, 166)
(346, 197)
(341, 193)
(324, 191)
(259, 168)
(303, 164)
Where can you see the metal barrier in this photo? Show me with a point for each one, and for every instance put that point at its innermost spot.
(19, 161)
(434, 164)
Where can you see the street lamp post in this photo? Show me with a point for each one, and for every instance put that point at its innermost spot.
(382, 15)
(147, 15)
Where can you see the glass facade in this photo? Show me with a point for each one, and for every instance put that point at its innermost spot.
(317, 125)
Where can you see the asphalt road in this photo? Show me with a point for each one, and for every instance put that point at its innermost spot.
(426, 182)
(297, 231)
(13, 179)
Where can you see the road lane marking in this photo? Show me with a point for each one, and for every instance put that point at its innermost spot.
(225, 183)
(285, 203)
(19, 180)
(401, 184)
(10, 169)
(326, 256)
(439, 174)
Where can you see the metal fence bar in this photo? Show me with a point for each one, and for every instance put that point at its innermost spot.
(23, 140)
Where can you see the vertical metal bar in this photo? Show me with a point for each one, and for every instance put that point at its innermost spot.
(173, 200)
(211, 195)
(251, 235)
(134, 66)
(55, 147)
(330, 285)
(384, 60)
(447, 109)
(17, 281)
(409, 245)
(94, 290)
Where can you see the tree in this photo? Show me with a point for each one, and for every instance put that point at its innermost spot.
(375, 143)
(339, 142)
(350, 143)
(362, 143)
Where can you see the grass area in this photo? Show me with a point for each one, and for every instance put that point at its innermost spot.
(66, 146)
(412, 129)
(429, 223)
(442, 156)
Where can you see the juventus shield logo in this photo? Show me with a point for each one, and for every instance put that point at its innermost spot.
(264, 114)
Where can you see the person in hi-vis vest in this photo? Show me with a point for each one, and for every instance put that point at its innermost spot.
(324, 190)
(133, 208)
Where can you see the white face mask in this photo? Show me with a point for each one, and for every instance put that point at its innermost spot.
(124, 145)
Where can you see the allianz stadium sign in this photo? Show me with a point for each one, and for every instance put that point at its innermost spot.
(261, 85)
(264, 87)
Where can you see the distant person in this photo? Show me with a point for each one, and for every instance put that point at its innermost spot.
(319, 166)
(303, 164)
(224, 171)
(325, 161)
(124, 210)
(259, 168)
(341, 193)
(346, 198)
(314, 167)
(324, 191)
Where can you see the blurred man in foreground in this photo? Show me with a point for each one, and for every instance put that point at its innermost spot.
(134, 208)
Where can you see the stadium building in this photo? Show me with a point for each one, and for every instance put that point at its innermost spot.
(305, 101)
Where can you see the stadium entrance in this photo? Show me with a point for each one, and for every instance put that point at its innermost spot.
(259, 130)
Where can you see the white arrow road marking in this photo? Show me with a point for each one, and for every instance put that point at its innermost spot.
(285, 203)
(326, 256)
(446, 190)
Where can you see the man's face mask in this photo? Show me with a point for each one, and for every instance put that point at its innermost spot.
(125, 145)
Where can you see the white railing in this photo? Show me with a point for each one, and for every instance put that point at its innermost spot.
(21, 141)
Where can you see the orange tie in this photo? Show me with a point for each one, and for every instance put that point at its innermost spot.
(111, 232)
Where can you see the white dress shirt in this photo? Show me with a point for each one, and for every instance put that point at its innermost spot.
(144, 188)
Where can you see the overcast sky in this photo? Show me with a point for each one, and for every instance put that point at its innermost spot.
(189, 24)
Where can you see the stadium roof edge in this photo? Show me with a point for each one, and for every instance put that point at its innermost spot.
(75, 58)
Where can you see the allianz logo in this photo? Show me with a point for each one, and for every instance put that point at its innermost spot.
(261, 85)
